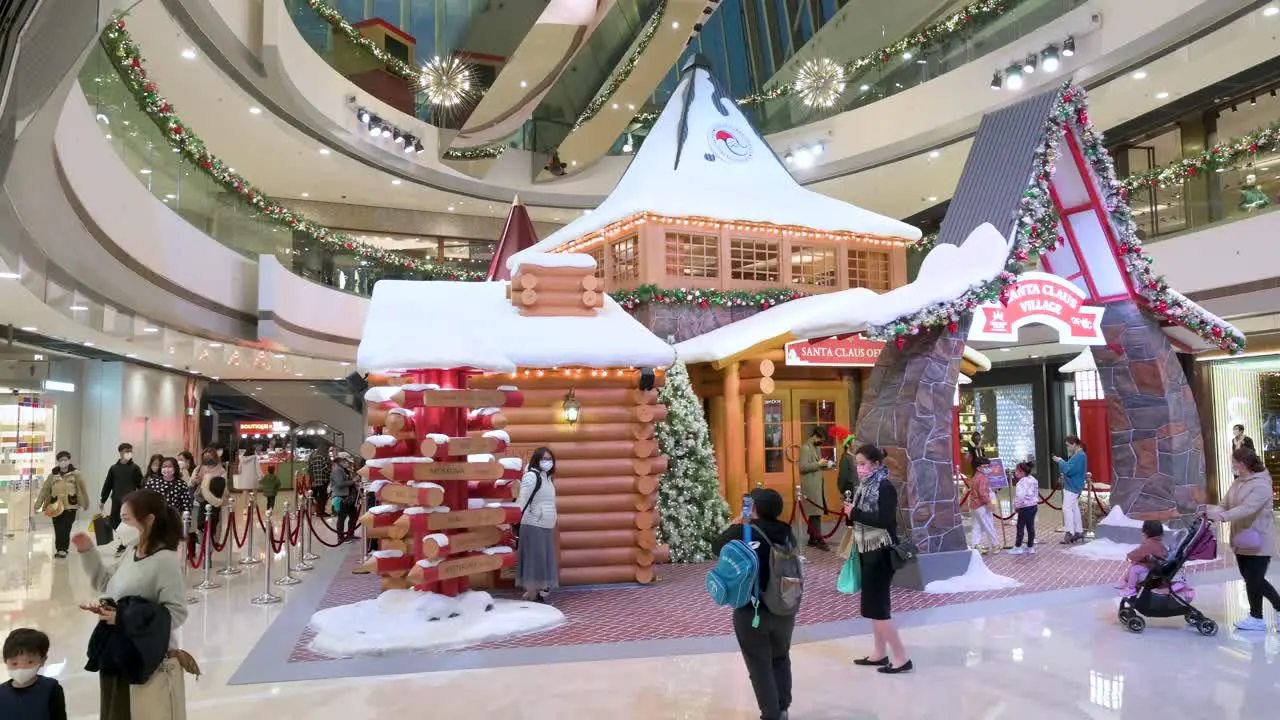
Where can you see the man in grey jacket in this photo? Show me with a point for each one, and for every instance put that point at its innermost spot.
(343, 488)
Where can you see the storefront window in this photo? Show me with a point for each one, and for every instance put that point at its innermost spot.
(26, 454)
(692, 255)
(774, 445)
(813, 265)
(1245, 392)
(1004, 419)
(820, 414)
(754, 260)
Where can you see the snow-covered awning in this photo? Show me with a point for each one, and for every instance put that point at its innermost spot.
(432, 324)
(704, 160)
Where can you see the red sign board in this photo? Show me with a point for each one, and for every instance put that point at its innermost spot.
(1044, 299)
(261, 427)
(848, 351)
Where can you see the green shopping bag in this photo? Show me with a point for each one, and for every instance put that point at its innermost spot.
(850, 580)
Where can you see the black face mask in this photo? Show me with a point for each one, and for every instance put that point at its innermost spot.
(209, 462)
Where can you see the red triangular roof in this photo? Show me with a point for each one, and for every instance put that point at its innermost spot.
(518, 234)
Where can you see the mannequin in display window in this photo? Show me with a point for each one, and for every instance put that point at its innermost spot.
(1251, 196)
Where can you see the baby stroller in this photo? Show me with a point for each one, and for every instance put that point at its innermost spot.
(1155, 598)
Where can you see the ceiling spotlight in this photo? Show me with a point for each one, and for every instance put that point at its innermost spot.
(1013, 77)
(364, 115)
(906, 55)
(408, 143)
(804, 158)
(1253, 101)
(1069, 47)
(417, 146)
(375, 128)
(397, 137)
(386, 131)
(997, 81)
(817, 149)
(1049, 61)
(628, 145)
(789, 158)
(1029, 65)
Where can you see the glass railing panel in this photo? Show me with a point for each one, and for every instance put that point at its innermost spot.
(1210, 199)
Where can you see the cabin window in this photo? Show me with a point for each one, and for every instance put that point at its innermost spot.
(597, 254)
(869, 269)
(755, 260)
(625, 254)
(813, 265)
(693, 256)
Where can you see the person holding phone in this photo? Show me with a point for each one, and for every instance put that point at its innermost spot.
(151, 570)
(812, 484)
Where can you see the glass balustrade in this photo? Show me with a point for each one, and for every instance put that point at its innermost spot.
(216, 211)
(1210, 199)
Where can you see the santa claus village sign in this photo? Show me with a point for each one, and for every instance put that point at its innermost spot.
(1036, 298)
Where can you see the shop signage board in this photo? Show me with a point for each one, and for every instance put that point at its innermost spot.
(996, 477)
(1040, 299)
(261, 427)
(842, 351)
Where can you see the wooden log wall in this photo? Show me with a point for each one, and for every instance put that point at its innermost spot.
(556, 291)
(608, 466)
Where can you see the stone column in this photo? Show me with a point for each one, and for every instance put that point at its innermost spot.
(1157, 446)
(907, 411)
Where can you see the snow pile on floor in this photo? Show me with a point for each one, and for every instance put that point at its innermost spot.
(1117, 518)
(405, 620)
(977, 578)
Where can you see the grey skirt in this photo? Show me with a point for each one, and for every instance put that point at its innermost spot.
(537, 567)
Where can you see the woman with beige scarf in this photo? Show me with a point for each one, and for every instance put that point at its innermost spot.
(873, 521)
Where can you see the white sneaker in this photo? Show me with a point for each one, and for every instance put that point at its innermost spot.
(1252, 623)
(1016, 551)
(1031, 551)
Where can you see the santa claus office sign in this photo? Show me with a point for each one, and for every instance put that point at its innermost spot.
(1040, 298)
(843, 351)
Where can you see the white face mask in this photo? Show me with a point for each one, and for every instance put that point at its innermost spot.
(546, 465)
(127, 456)
(64, 464)
(166, 472)
(23, 676)
(128, 534)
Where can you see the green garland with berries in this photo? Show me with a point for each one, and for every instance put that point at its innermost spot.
(628, 66)
(1230, 155)
(127, 59)
(1035, 233)
(333, 16)
(697, 297)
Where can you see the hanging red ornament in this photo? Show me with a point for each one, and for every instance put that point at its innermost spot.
(899, 341)
(953, 326)
(1217, 331)
(135, 63)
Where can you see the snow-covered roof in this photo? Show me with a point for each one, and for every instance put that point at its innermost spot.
(703, 159)
(1080, 363)
(432, 324)
(948, 271)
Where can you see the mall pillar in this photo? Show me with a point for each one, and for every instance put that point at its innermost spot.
(909, 411)
(1157, 444)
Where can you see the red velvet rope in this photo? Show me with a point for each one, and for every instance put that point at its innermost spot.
(227, 525)
(312, 525)
(262, 524)
(240, 538)
(284, 535)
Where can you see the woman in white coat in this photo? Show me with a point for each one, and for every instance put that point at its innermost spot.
(537, 567)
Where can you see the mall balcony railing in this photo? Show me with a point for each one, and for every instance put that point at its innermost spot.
(1208, 199)
(198, 199)
(895, 76)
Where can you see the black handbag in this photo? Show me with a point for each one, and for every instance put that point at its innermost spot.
(903, 554)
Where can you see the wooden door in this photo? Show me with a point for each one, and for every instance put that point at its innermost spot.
(789, 416)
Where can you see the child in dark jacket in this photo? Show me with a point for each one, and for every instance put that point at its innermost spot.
(28, 695)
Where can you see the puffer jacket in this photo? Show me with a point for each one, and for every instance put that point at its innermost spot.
(542, 505)
(63, 491)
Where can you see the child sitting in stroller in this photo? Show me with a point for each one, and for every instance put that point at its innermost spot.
(1162, 592)
(1144, 558)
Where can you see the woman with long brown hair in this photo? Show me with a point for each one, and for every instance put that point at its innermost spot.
(1247, 509)
(150, 570)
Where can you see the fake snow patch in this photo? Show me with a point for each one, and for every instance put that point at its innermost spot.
(978, 578)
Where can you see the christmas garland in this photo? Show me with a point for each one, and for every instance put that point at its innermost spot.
(487, 152)
(620, 76)
(334, 17)
(1035, 233)
(654, 295)
(1231, 155)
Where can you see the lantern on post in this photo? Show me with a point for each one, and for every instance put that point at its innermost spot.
(572, 408)
(1091, 420)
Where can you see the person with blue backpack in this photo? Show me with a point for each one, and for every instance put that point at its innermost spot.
(769, 580)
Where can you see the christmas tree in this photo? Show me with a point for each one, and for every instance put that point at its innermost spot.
(689, 502)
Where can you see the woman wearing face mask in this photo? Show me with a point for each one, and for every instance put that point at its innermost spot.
(61, 496)
(537, 567)
(212, 481)
(1247, 508)
(150, 570)
(168, 482)
(873, 520)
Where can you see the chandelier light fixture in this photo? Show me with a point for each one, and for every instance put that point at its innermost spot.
(448, 81)
(820, 82)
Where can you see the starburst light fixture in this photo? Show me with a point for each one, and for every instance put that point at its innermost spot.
(820, 82)
(447, 81)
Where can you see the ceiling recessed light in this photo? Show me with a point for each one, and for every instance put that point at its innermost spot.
(231, 170)
(77, 308)
(306, 194)
(170, 196)
(325, 151)
(1140, 75)
(278, 356)
(132, 356)
(297, 374)
(1271, 11)
(215, 345)
(9, 276)
(395, 182)
(675, 24)
(524, 84)
(1004, 349)
(1162, 95)
(934, 154)
(450, 208)
(145, 171)
(168, 365)
(345, 364)
(150, 329)
(255, 111)
(188, 54)
(88, 343)
(29, 328)
(933, 198)
(906, 55)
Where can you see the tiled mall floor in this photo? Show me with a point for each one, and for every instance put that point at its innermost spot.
(1050, 649)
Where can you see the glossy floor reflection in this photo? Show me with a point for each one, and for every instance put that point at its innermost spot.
(1044, 661)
